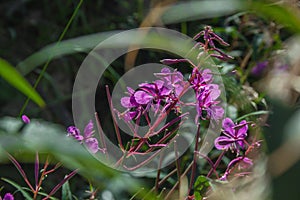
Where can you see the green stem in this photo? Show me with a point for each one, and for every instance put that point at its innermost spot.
(50, 58)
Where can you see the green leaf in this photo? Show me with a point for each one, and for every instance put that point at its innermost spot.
(66, 191)
(66, 47)
(195, 10)
(200, 187)
(12, 76)
(24, 193)
(279, 13)
(260, 112)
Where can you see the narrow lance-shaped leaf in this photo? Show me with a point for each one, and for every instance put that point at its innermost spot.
(13, 77)
(24, 193)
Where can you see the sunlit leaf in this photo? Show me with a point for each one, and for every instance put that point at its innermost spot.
(13, 77)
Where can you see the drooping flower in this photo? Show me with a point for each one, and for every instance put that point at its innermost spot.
(88, 136)
(25, 119)
(234, 135)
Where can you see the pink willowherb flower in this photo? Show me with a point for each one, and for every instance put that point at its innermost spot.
(164, 91)
(207, 94)
(88, 136)
(234, 135)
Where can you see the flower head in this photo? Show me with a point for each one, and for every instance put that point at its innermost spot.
(173, 81)
(147, 96)
(88, 136)
(207, 94)
(234, 135)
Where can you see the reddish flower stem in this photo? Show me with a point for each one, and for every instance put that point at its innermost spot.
(177, 163)
(36, 169)
(216, 164)
(23, 174)
(114, 118)
(44, 173)
(101, 135)
(194, 159)
(176, 185)
(54, 190)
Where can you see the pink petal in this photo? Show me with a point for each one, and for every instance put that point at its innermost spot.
(125, 102)
(223, 142)
(92, 144)
(228, 126)
(142, 97)
(242, 129)
(88, 130)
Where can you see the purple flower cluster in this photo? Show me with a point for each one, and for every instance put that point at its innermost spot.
(234, 138)
(88, 136)
(167, 90)
(150, 96)
(207, 94)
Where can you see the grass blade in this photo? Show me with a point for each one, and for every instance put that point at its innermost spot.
(24, 193)
(13, 77)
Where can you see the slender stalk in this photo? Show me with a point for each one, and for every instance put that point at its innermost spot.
(114, 118)
(101, 135)
(210, 162)
(216, 164)
(52, 170)
(50, 58)
(22, 172)
(142, 163)
(54, 190)
(194, 159)
(177, 163)
(173, 188)
(161, 192)
(36, 169)
(173, 121)
(161, 141)
(140, 190)
(44, 171)
(158, 172)
(161, 182)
